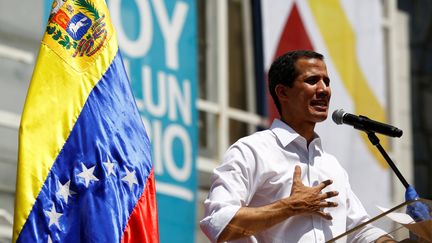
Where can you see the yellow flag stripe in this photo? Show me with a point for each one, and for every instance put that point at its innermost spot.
(340, 41)
(54, 101)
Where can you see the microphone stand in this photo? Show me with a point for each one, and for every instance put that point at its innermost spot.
(376, 142)
(418, 210)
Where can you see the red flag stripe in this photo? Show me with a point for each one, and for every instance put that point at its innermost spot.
(142, 225)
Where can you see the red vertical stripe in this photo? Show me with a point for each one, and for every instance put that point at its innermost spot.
(293, 37)
(143, 225)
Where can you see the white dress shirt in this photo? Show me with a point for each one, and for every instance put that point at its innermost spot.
(258, 170)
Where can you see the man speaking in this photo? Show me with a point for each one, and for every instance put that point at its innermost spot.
(279, 185)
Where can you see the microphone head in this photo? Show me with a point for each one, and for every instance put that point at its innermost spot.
(337, 116)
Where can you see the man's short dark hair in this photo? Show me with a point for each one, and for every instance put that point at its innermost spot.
(283, 71)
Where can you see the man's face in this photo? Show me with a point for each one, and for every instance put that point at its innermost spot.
(308, 99)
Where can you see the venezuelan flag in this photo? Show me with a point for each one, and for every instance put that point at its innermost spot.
(85, 172)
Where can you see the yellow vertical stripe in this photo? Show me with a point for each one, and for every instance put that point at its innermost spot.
(340, 41)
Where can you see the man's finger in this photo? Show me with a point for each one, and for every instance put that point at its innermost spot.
(297, 174)
(328, 204)
(324, 184)
(325, 215)
(329, 194)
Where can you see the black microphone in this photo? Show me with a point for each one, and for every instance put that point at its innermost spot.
(365, 124)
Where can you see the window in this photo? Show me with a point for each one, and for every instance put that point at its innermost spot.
(227, 99)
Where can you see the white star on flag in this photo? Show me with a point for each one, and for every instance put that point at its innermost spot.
(54, 217)
(87, 174)
(64, 191)
(130, 178)
(110, 166)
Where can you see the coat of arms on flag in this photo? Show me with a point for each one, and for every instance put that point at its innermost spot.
(78, 28)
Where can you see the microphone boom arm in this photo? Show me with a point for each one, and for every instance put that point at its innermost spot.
(376, 142)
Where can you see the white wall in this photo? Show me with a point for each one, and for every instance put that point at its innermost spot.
(20, 32)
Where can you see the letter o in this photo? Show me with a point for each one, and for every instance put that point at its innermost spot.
(139, 47)
(180, 174)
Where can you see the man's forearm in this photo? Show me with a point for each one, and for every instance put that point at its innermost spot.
(251, 220)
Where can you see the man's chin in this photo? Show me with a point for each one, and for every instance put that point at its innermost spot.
(320, 116)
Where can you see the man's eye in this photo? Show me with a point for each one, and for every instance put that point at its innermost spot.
(311, 81)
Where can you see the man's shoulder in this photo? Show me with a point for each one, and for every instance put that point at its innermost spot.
(259, 137)
(259, 141)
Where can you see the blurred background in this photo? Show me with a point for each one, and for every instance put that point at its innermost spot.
(215, 56)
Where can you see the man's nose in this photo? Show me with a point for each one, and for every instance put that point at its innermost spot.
(322, 86)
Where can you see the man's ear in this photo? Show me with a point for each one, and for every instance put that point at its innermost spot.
(282, 92)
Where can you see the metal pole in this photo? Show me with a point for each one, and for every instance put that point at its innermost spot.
(376, 142)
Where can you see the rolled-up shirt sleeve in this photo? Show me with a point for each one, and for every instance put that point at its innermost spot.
(213, 224)
(230, 191)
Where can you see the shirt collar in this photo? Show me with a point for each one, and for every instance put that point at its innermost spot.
(285, 134)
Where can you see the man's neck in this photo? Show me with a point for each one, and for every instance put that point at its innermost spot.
(305, 130)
